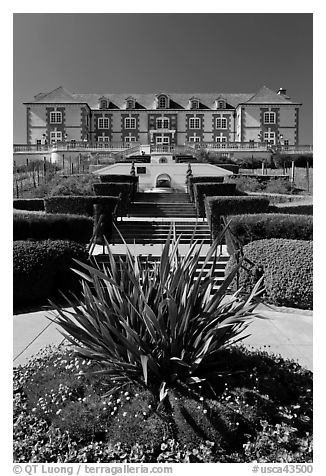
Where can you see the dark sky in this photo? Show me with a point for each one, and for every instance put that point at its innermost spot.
(200, 52)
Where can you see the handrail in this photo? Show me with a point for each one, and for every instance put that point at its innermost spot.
(115, 213)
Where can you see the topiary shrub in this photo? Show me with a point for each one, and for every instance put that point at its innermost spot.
(211, 189)
(248, 228)
(43, 226)
(221, 206)
(41, 268)
(114, 189)
(287, 267)
(205, 179)
(34, 204)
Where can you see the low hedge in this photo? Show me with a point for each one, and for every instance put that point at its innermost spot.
(42, 268)
(33, 204)
(248, 228)
(78, 204)
(114, 189)
(205, 179)
(133, 179)
(211, 189)
(42, 226)
(287, 267)
(237, 205)
(294, 208)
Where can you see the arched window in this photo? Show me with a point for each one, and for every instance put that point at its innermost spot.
(162, 102)
(221, 103)
(130, 103)
(194, 103)
(104, 103)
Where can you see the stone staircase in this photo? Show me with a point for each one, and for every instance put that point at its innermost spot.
(159, 205)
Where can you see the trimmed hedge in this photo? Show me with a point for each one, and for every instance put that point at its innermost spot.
(211, 189)
(133, 179)
(34, 204)
(238, 205)
(78, 205)
(248, 228)
(287, 267)
(42, 226)
(294, 208)
(113, 189)
(230, 167)
(42, 268)
(205, 179)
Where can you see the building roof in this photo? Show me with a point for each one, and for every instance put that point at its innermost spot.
(148, 101)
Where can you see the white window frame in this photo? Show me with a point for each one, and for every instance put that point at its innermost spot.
(193, 121)
(221, 140)
(162, 102)
(55, 117)
(269, 138)
(162, 123)
(130, 123)
(129, 139)
(55, 136)
(162, 140)
(103, 123)
(194, 139)
(269, 118)
(220, 121)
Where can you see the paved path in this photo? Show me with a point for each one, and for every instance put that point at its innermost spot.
(287, 332)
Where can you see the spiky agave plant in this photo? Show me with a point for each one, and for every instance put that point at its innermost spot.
(160, 326)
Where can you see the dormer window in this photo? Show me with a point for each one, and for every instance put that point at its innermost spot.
(104, 103)
(221, 103)
(194, 103)
(130, 103)
(162, 102)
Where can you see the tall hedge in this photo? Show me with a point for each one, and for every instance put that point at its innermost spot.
(78, 205)
(33, 204)
(211, 189)
(42, 226)
(248, 228)
(204, 179)
(133, 179)
(294, 208)
(42, 268)
(114, 189)
(237, 205)
(287, 267)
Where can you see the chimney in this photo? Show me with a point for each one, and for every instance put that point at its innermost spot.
(282, 92)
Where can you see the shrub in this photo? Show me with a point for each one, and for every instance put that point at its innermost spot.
(42, 226)
(192, 180)
(79, 205)
(230, 167)
(74, 185)
(294, 208)
(61, 414)
(115, 189)
(34, 204)
(248, 228)
(219, 206)
(287, 269)
(41, 268)
(211, 189)
(261, 183)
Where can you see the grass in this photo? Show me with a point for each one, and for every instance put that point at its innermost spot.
(262, 413)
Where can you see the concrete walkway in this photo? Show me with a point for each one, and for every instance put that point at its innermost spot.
(287, 332)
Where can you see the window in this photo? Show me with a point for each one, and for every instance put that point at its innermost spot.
(251, 144)
(221, 141)
(38, 142)
(130, 123)
(130, 104)
(286, 143)
(162, 102)
(194, 139)
(221, 104)
(194, 123)
(103, 104)
(56, 136)
(269, 137)
(221, 123)
(162, 140)
(269, 117)
(194, 104)
(129, 139)
(162, 123)
(56, 117)
(103, 141)
(103, 123)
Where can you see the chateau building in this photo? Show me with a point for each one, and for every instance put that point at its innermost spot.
(164, 118)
